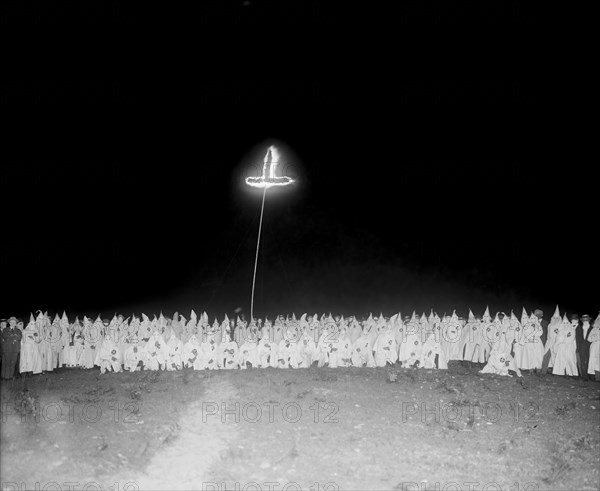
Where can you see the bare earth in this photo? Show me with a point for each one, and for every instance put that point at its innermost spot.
(319, 429)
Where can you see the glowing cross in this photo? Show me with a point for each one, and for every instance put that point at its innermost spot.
(267, 180)
(269, 177)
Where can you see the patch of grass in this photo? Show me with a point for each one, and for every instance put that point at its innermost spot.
(563, 411)
(26, 402)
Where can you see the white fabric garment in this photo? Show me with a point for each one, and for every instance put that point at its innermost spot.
(108, 356)
(499, 363)
(594, 338)
(175, 352)
(565, 347)
(191, 353)
(532, 350)
(30, 359)
(386, 348)
(157, 353)
(133, 356)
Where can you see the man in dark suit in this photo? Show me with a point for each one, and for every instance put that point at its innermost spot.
(11, 346)
(583, 346)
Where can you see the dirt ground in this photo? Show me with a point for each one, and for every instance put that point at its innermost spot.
(319, 429)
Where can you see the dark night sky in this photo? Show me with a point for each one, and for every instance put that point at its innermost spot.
(431, 161)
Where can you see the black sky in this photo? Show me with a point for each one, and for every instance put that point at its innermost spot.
(432, 165)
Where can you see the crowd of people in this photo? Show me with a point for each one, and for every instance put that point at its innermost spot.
(502, 344)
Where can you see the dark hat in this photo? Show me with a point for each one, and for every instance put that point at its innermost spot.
(585, 317)
(574, 317)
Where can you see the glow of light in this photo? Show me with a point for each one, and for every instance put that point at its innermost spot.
(269, 177)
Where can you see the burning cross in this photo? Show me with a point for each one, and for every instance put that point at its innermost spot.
(269, 175)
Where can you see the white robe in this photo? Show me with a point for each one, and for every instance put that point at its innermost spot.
(191, 356)
(385, 348)
(306, 350)
(133, 356)
(553, 329)
(157, 353)
(108, 356)
(362, 352)
(532, 350)
(499, 363)
(175, 351)
(229, 358)
(451, 340)
(267, 354)
(429, 349)
(594, 338)
(248, 353)
(565, 362)
(30, 359)
(472, 341)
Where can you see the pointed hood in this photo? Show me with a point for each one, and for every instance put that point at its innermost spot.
(471, 317)
(486, 315)
(556, 314)
(524, 317)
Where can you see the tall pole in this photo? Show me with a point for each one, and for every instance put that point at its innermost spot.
(256, 258)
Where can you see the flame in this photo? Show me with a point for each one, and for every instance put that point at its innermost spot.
(269, 175)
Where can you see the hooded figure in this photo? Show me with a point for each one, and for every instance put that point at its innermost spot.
(157, 352)
(134, 354)
(490, 333)
(549, 353)
(305, 349)
(108, 356)
(144, 330)
(92, 341)
(532, 350)
(386, 347)
(327, 342)
(175, 351)
(46, 339)
(31, 360)
(210, 352)
(65, 338)
(451, 339)
(565, 362)
(229, 357)
(190, 354)
(288, 352)
(410, 349)
(248, 351)
(267, 354)
(594, 338)
(500, 362)
(432, 355)
(519, 338)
